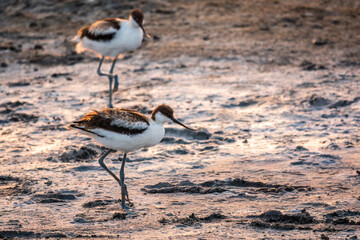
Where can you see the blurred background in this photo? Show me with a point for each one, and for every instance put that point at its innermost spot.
(309, 34)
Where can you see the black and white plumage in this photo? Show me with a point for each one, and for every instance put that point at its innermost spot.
(101, 31)
(125, 130)
(112, 37)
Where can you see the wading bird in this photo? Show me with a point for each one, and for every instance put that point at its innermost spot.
(125, 130)
(110, 38)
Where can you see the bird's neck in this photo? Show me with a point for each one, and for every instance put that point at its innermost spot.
(133, 23)
(159, 118)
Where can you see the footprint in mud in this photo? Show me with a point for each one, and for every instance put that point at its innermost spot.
(152, 82)
(344, 103)
(333, 146)
(260, 186)
(309, 66)
(184, 186)
(304, 221)
(322, 160)
(343, 217)
(119, 215)
(52, 197)
(220, 186)
(55, 235)
(317, 101)
(277, 216)
(193, 219)
(19, 84)
(85, 168)
(93, 214)
(97, 203)
(59, 75)
(305, 85)
(92, 218)
(277, 220)
(10, 186)
(185, 136)
(23, 117)
(243, 104)
(85, 153)
(51, 60)
(9, 108)
(179, 151)
(13, 105)
(52, 127)
(172, 140)
(207, 149)
(201, 134)
(18, 234)
(300, 148)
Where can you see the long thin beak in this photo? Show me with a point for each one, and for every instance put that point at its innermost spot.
(145, 31)
(176, 121)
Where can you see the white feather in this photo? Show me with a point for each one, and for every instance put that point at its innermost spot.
(129, 143)
(160, 118)
(101, 31)
(130, 125)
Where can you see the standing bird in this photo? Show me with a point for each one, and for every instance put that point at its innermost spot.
(112, 37)
(125, 130)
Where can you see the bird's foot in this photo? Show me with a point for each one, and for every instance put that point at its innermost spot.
(127, 204)
(126, 193)
(124, 206)
(130, 204)
(116, 83)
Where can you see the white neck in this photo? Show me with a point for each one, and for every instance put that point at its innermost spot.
(160, 118)
(133, 23)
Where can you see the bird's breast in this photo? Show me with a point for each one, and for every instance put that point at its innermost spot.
(154, 134)
(129, 38)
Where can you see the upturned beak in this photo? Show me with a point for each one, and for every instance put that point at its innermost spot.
(145, 31)
(176, 121)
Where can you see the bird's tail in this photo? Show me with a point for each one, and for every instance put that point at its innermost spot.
(76, 38)
(82, 130)
(80, 47)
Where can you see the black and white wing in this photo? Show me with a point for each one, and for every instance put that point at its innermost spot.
(121, 121)
(102, 30)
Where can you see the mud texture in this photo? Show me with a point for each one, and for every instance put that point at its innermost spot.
(273, 87)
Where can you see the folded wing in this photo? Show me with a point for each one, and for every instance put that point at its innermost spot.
(102, 30)
(121, 121)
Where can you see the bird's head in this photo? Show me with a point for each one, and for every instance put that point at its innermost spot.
(137, 18)
(165, 113)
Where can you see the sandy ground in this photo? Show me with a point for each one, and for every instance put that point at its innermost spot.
(273, 85)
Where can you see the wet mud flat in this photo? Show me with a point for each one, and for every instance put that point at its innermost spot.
(272, 86)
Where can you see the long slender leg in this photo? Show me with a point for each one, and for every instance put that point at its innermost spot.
(110, 76)
(110, 93)
(123, 187)
(99, 69)
(124, 193)
(116, 84)
(102, 164)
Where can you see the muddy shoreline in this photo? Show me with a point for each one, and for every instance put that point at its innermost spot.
(273, 86)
